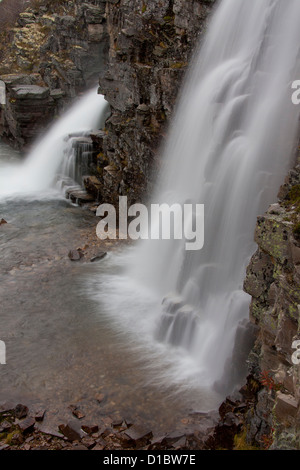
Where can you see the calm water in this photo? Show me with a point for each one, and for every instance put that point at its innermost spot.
(62, 346)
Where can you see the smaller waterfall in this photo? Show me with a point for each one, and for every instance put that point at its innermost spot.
(54, 152)
(76, 163)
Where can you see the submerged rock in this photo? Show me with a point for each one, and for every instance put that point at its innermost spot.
(75, 255)
(21, 411)
(72, 431)
(98, 257)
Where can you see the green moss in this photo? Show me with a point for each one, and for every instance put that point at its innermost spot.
(178, 65)
(240, 442)
(293, 197)
(168, 19)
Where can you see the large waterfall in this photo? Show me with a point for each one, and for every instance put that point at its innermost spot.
(231, 143)
(230, 146)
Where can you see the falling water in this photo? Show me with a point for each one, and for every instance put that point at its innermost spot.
(38, 171)
(230, 145)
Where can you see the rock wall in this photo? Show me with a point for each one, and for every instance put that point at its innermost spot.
(150, 45)
(140, 50)
(273, 281)
(58, 46)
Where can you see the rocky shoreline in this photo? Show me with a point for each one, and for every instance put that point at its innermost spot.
(22, 428)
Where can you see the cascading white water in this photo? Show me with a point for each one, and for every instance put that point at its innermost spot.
(37, 172)
(229, 148)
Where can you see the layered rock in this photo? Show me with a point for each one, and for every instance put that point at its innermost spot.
(59, 46)
(273, 281)
(150, 45)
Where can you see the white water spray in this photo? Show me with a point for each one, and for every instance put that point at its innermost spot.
(37, 172)
(230, 146)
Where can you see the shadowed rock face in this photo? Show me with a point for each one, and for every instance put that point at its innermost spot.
(150, 45)
(273, 280)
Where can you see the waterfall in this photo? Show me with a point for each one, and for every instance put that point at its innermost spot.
(232, 141)
(229, 148)
(52, 153)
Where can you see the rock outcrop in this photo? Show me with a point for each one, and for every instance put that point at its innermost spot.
(150, 45)
(273, 281)
(139, 49)
(57, 46)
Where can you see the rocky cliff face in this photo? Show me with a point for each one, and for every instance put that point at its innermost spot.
(273, 281)
(150, 44)
(139, 49)
(54, 51)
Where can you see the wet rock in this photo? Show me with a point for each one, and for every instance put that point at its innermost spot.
(72, 431)
(4, 447)
(50, 432)
(7, 406)
(39, 415)
(79, 197)
(100, 397)
(98, 257)
(76, 412)
(90, 429)
(27, 425)
(181, 443)
(105, 432)
(156, 442)
(79, 447)
(16, 438)
(21, 411)
(98, 447)
(93, 185)
(75, 255)
(172, 437)
(88, 442)
(5, 426)
(138, 435)
(117, 423)
(286, 408)
(30, 92)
